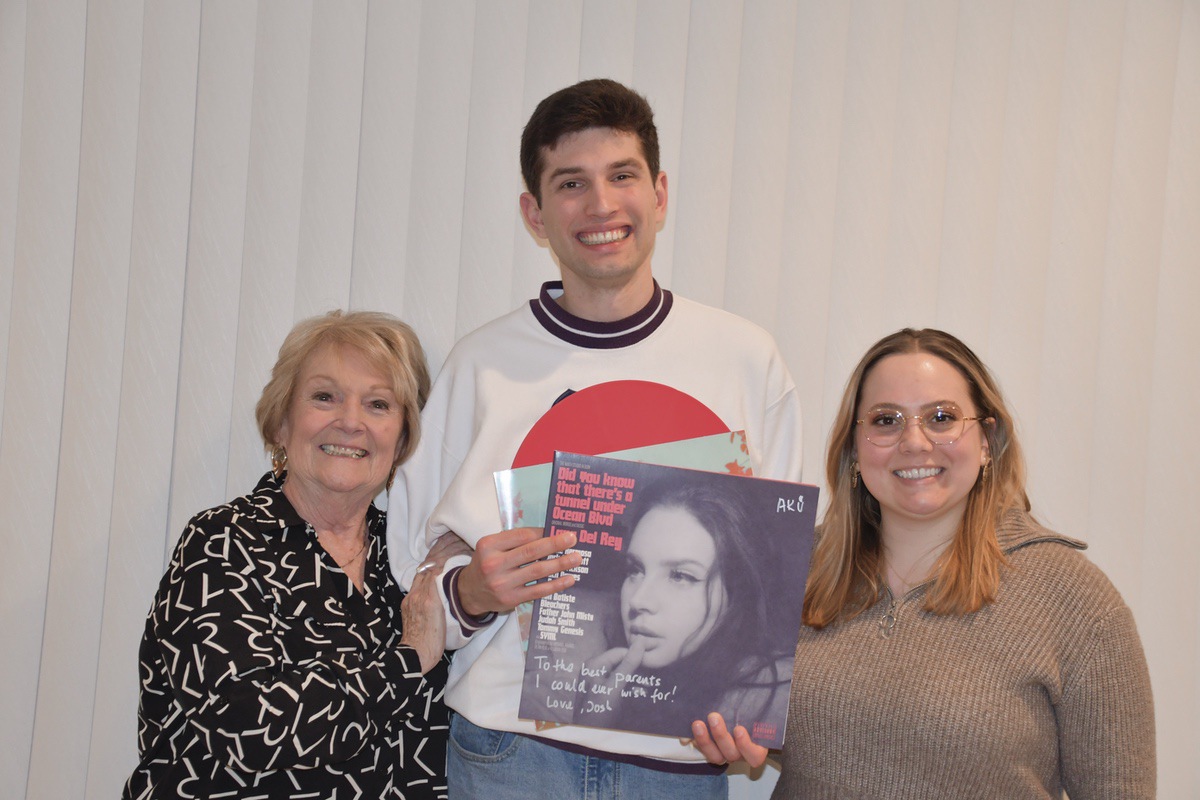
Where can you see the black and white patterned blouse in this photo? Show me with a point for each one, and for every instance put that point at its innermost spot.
(265, 674)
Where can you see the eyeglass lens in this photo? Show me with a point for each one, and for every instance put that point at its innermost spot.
(942, 424)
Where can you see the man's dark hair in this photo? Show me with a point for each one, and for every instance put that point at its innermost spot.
(596, 103)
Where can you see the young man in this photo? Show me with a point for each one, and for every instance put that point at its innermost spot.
(608, 332)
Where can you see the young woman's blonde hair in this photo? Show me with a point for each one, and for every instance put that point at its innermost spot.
(386, 343)
(844, 578)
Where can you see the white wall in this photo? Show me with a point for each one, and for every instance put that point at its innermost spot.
(180, 182)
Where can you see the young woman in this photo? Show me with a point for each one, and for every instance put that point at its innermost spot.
(953, 646)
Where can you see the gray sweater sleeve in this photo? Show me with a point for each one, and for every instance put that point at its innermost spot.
(1106, 716)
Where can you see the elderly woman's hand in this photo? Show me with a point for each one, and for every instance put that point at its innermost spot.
(424, 621)
(446, 547)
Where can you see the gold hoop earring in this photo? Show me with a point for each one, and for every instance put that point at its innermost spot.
(854, 475)
(987, 468)
(278, 460)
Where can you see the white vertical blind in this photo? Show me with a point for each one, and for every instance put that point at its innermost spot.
(48, 180)
(222, 85)
(180, 183)
(332, 134)
(1169, 555)
(149, 376)
(490, 223)
(12, 75)
(699, 190)
(95, 333)
(758, 171)
(438, 183)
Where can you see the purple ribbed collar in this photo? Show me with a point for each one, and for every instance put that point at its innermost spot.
(599, 335)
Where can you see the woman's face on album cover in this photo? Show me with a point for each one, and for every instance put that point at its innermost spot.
(671, 599)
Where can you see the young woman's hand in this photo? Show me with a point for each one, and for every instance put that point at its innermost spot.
(718, 746)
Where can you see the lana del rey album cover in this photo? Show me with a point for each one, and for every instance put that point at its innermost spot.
(688, 599)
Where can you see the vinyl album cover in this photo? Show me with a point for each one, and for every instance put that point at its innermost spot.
(521, 493)
(688, 599)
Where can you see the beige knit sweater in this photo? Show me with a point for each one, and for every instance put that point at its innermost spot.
(1044, 690)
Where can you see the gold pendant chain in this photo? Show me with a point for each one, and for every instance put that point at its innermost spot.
(344, 565)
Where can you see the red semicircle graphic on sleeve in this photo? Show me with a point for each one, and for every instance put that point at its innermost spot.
(617, 415)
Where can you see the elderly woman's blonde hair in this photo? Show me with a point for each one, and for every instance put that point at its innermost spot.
(386, 343)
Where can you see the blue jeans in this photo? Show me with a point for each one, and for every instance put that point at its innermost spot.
(483, 764)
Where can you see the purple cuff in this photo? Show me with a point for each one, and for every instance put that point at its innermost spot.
(468, 623)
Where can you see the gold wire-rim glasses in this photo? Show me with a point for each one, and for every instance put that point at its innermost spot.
(937, 437)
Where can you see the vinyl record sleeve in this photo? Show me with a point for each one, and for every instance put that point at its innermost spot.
(688, 599)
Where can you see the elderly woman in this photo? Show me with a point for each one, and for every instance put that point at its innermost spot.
(953, 646)
(280, 658)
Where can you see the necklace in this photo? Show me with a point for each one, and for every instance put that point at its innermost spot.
(356, 555)
(345, 564)
(903, 583)
(919, 571)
